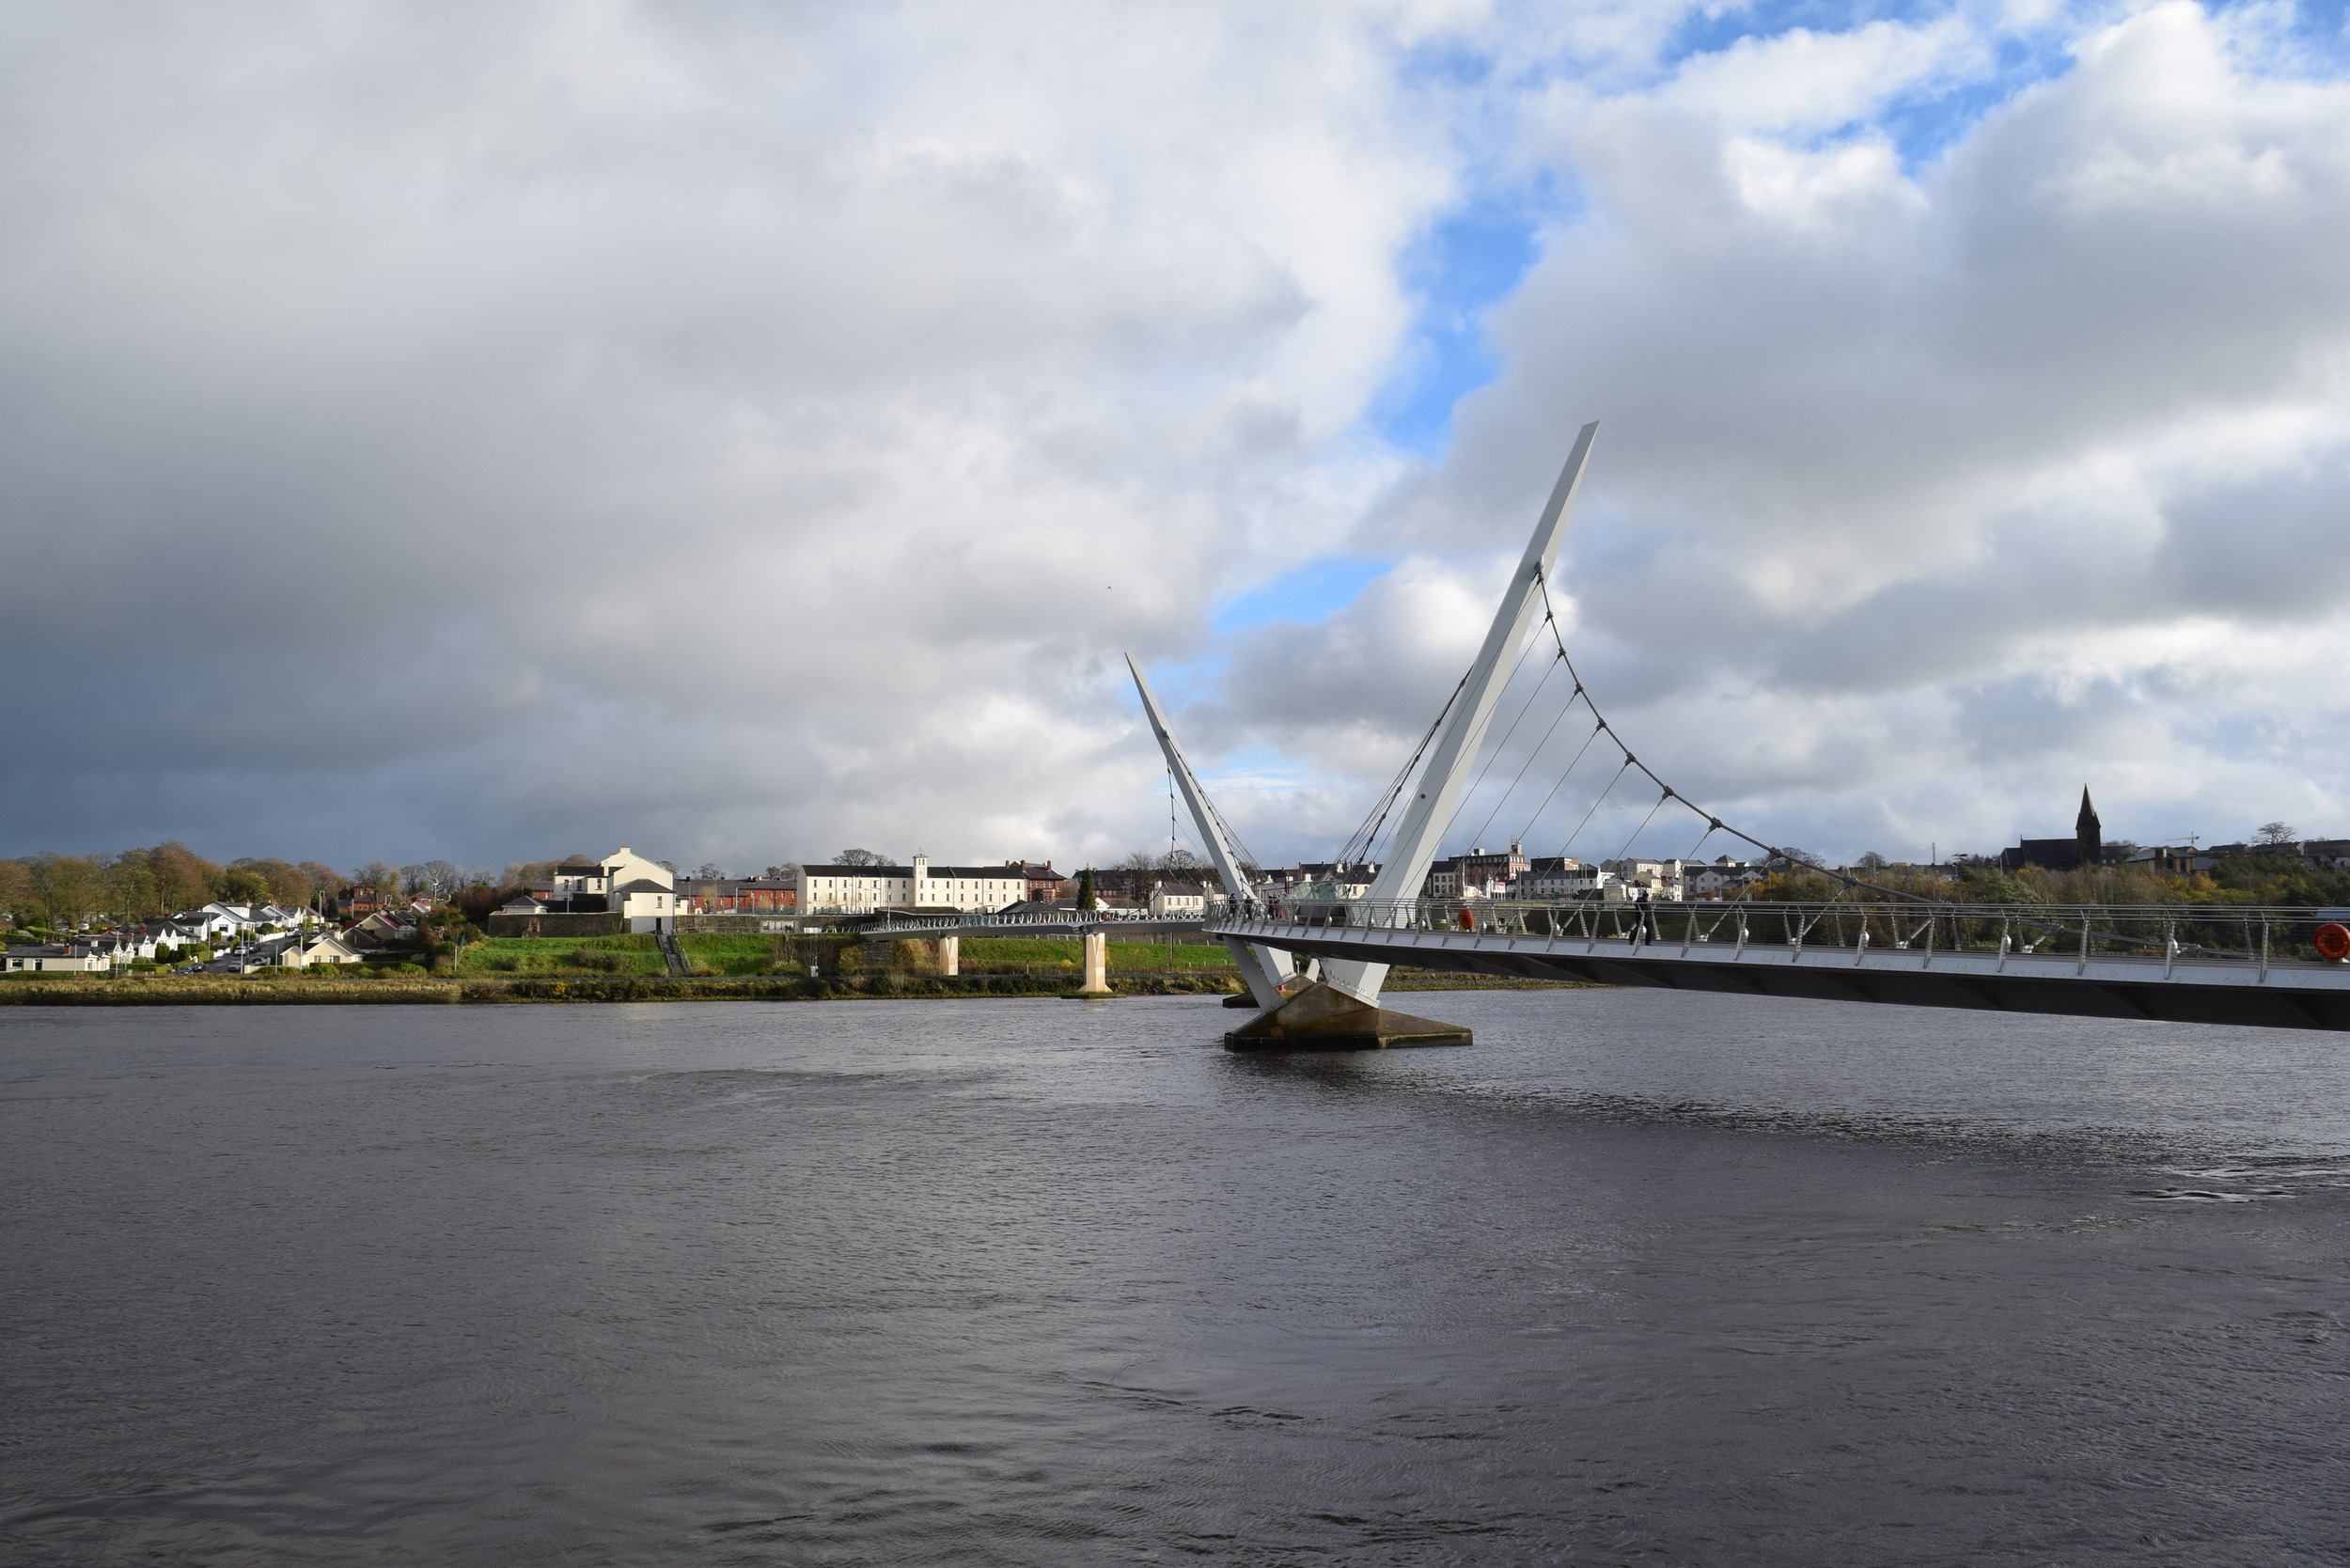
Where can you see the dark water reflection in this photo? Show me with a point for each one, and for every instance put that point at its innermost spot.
(1653, 1277)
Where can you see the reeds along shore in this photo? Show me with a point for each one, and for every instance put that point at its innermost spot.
(298, 990)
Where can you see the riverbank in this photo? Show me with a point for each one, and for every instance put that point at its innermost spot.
(418, 990)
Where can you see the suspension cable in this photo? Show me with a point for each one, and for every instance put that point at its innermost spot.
(1644, 821)
(1595, 805)
(1714, 822)
(1377, 818)
(1530, 763)
(1596, 730)
(1502, 743)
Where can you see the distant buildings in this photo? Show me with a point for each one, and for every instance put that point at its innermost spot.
(643, 893)
(852, 889)
(2085, 848)
(738, 895)
(1181, 901)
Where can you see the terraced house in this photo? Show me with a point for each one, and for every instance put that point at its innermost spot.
(847, 889)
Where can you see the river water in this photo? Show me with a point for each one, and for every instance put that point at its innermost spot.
(1641, 1276)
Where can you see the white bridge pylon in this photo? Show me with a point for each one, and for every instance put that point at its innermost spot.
(1438, 792)
(1438, 789)
(1265, 969)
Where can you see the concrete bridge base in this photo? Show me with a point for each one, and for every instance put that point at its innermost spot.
(1321, 1018)
(1096, 983)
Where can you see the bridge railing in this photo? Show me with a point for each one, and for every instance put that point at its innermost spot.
(2166, 933)
(952, 924)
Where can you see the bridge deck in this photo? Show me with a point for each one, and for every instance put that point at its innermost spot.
(2088, 980)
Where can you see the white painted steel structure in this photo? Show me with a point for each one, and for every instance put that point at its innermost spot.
(1264, 970)
(2189, 962)
(1437, 792)
(2182, 963)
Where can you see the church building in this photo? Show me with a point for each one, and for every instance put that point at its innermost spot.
(2086, 847)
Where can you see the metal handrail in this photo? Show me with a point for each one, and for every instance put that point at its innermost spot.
(2265, 934)
(983, 921)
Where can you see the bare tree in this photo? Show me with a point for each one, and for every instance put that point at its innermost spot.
(859, 857)
(1872, 861)
(2276, 833)
(435, 879)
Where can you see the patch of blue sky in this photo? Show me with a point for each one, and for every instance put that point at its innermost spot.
(1712, 29)
(2319, 27)
(1312, 592)
(1922, 125)
(1925, 125)
(1178, 686)
(1460, 268)
(1260, 767)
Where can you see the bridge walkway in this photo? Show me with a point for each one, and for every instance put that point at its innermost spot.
(2189, 963)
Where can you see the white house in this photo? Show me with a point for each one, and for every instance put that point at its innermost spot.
(208, 924)
(644, 904)
(1561, 876)
(59, 958)
(1724, 875)
(642, 892)
(1179, 900)
(303, 949)
(1659, 880)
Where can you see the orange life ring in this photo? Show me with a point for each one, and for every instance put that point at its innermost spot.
(2333, 941)
(1469, 922)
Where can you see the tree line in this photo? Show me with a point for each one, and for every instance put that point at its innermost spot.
(64, 891)
(2259, 880)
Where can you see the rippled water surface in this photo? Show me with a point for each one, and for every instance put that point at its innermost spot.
(1639, 1277)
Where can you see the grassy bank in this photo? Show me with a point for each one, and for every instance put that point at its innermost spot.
(297, 987)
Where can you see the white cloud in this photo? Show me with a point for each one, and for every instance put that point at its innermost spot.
(1920, 496)
(751, 432)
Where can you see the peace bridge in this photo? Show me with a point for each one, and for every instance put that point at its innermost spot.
(1315, 969)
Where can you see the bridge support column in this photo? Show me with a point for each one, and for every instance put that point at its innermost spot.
(950, 955)
(1264, 970)
(1096, 983)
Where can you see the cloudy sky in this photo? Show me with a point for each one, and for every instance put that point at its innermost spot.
(743, 432)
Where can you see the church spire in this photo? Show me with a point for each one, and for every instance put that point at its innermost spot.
(2088, 834)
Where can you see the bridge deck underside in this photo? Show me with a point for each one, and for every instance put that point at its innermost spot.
(2293, 996)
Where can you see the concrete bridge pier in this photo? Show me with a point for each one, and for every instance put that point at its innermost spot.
(1097, 966)
(950, 955)
(1320, 1017)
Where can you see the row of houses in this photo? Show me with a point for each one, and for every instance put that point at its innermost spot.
(242, 936)
(1512, 874)
(647, 895)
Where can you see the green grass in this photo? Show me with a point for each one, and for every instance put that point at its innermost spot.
(735, 953)
(635, 954)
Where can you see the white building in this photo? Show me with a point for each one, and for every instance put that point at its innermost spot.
(1557, 876)
(59, 958)
(848, 889)
(1180, 900)
(1723, 877)
(1660, 880)
(642, 892)
(305, 948)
